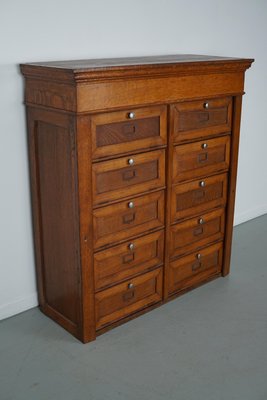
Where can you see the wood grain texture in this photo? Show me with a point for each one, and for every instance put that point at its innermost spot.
(110, 63)
(52, 147)
(168, 202)
(189, 199)
(116, 179)
(137, 67)
(198, 159)
(112, 94)
(86, 233)
(186, 271)
(232, 184)
(128, 259)
(51, 94)
(115, 238)
(35, 204)
(192, 120)
(118, 222)
(121, 300)
(197, 232)
(115, 133)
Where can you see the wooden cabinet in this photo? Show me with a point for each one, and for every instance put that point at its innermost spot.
(133, 172)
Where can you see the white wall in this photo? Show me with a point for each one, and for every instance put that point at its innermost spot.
(32, 30)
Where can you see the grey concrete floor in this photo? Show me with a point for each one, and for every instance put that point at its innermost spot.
(209, 344)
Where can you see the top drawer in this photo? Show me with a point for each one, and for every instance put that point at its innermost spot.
(195, 119)
(125, 131)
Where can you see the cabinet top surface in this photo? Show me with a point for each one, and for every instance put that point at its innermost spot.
(109, 63)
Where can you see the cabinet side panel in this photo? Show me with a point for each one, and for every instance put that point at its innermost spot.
(53, 144)
(237, 104)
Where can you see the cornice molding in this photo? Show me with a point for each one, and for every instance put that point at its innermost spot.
(130, 72)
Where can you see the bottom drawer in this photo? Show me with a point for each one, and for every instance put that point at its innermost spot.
(121, 300)
(194, 268)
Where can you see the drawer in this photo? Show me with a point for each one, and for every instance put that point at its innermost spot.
(196, 232)
(193, 198)
(195, 268)
(126, 131)
(126, 260)
(127, 176)
(196, 119)
(126, 298)
(128, 218)
(200, 158)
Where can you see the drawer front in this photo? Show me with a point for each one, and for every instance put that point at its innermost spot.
(128, 218)
(196, 232)
(125, 131)
(126, 260)
(194, 268)
(126, 298)
(201, 158)
(201, 118)
(127, 176)
(195, 197)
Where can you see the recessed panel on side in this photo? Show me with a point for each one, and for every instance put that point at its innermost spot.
(56, 173)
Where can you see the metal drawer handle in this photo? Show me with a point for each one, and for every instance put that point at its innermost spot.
(202, 184)
(128, 175)
(197, 265)
(198, 231)
(128, 258)
(131, 161)
(131, 115)
(131, 246)
(130, 286)
(202, 157)
(206, 105)
(131, 204)
(129, 218)
(129, 295)
(129, 128)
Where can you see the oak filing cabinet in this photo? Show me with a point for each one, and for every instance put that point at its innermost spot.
(133, 173)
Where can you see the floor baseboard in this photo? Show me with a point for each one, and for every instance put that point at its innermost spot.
(18, 306)
(250, 214)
